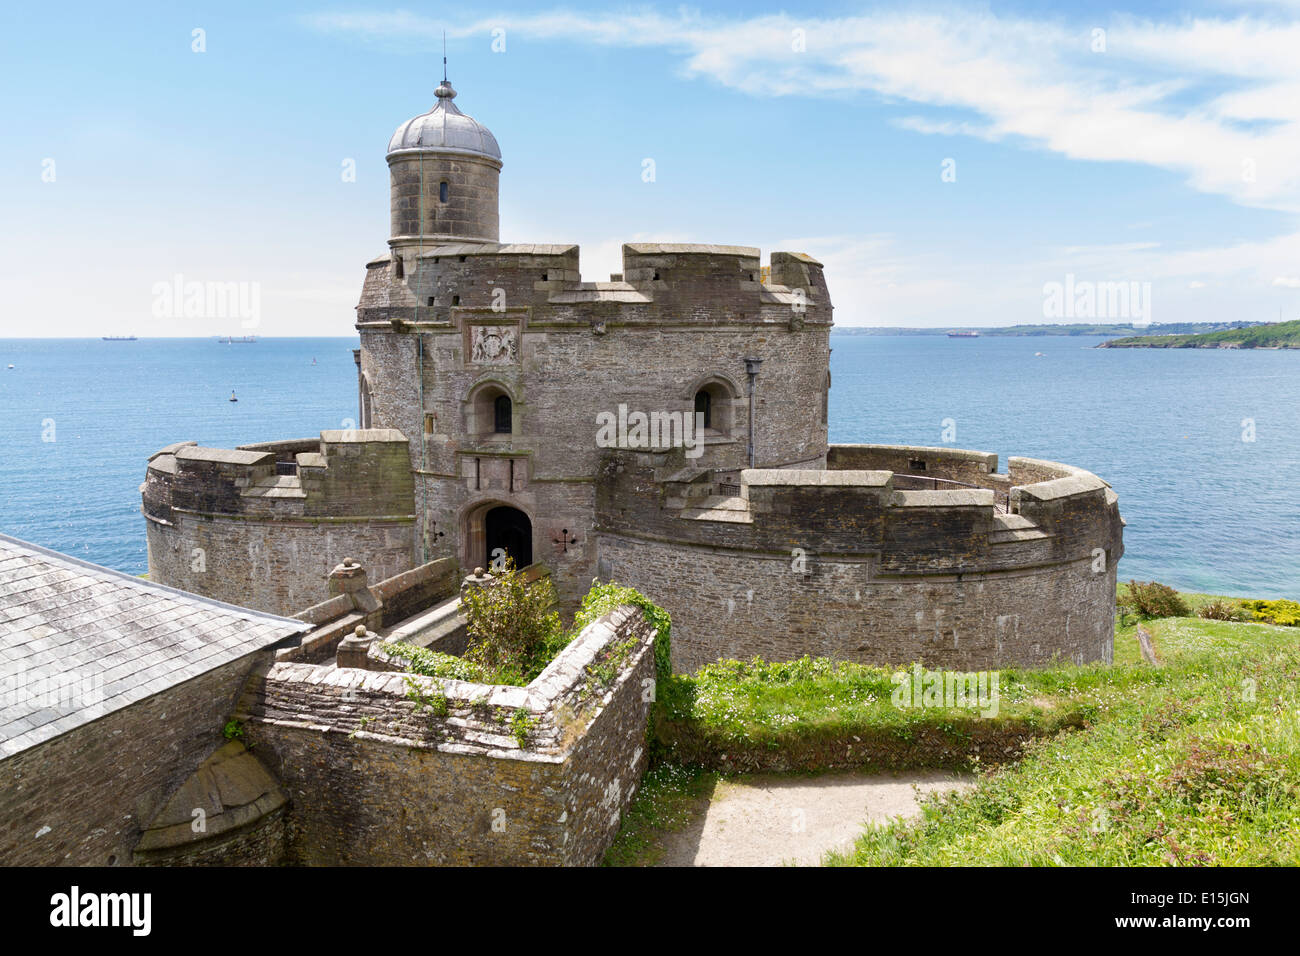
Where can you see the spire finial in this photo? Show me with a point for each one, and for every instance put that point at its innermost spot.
(444, 92)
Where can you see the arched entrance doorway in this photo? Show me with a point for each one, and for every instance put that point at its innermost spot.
(508, 530)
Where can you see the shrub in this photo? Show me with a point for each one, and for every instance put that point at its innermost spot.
(421, 660)
(603, 598)
(514, 629)
(1151, 599)
(1220, 610)
(1285, 613)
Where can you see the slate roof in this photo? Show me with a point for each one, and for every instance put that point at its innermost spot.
(78, 641)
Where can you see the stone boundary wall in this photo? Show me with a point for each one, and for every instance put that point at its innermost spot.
(374, 777)
(383, 605)
(224, 524)
(83, 798)
(839, 563)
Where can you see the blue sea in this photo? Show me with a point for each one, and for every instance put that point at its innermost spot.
(1206, 510)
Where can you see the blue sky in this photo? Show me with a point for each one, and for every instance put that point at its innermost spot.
(1169, 156)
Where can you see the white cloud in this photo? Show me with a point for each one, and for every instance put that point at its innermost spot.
(1215, 100)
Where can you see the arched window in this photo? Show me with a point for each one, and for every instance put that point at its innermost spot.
(704, 406)
(502, 413)
(715, 405)
(442, 191)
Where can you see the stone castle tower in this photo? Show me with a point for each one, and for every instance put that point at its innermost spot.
(445, 170)
(500, 361)
(666, 429)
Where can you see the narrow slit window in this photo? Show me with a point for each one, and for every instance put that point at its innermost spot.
(503, 413)
(442, 191)
(704, 406)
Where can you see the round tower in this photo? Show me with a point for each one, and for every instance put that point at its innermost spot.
(445, 169)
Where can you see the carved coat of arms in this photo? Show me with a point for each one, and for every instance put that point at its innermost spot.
(493, 345)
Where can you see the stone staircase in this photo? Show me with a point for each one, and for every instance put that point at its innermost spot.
(274, 486)
(1013, 527)
(707, 496)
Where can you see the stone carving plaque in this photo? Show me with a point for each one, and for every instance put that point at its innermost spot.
(493, 345)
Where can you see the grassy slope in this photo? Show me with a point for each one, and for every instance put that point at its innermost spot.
(1272, 335)
(1187, 770)
(1135, 748)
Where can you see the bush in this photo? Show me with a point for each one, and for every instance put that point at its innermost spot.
(421, 660)
(603, 598)
(514, 629)
(1220, 610)
(1151, 599)
(1285, 613)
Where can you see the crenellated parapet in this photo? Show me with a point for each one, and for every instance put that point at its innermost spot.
(880, 566)
(666, 283)
(262, 525)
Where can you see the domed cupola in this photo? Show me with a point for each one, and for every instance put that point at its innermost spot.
(445, 129)
(444, 169)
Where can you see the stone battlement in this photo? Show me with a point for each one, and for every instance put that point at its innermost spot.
(860, 512)
(951, 575)
(694, 282)
(362, 472)
(263, 524)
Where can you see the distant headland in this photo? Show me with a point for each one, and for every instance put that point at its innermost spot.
(1273, 335)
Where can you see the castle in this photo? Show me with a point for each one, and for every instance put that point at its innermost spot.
(666, 429)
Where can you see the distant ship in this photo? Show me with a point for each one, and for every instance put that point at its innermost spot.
(236, 339)
(232, 396)
(119, 338)
(963, 335)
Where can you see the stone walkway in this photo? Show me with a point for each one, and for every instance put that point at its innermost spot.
(768, 820)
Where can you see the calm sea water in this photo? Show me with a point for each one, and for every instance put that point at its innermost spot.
(1205, 509)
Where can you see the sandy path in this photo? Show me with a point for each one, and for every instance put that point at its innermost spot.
(767, 820)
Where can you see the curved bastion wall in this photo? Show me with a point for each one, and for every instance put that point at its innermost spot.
(890, 555)
(262, 525)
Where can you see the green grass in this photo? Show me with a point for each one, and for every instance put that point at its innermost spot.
(818, 714)
(1122, 764)
(669, 799)
(1198, 766)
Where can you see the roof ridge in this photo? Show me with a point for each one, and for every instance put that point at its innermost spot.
(144, 584)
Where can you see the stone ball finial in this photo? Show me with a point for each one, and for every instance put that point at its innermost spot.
(478, 572)
(361, 630)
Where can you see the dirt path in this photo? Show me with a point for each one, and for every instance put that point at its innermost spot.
(765, 820)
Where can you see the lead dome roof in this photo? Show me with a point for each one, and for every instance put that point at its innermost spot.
(445, 128)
